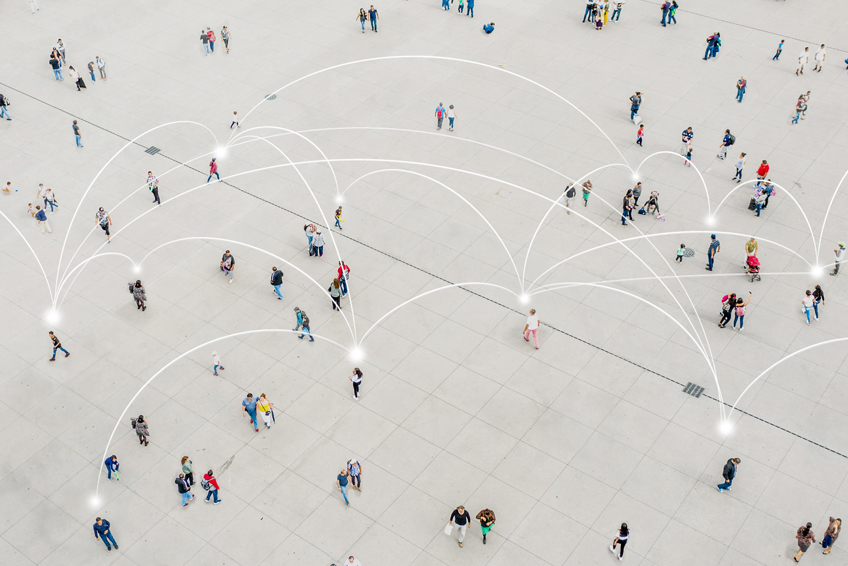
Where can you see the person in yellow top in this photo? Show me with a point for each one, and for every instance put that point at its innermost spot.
(339, 218)
(265, 408)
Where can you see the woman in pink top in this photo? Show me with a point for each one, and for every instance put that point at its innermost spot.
(213, 170)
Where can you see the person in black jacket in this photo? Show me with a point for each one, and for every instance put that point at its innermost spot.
(729, 473)
(277, 281)
(461, 517)
(184, 489)
(228, 264)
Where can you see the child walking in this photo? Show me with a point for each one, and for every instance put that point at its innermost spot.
(680, 251)
(639, 134)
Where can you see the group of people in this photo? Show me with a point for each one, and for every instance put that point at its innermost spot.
(207, 39)
(58, 59)
(460, 518)
(446, 5)
(598, 12)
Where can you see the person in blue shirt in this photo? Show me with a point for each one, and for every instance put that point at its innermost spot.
(779, 50)
(112, 465)
(248, 407)
(741, 87)
(725, 143)
(715, 247)
(712, 46)
(374, 16)
(489, 28)
(471, 8)
(102, 531)
(665, 8)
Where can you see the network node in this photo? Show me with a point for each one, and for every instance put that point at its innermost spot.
(136, 269)
(635, 177)
(356, 355)
(725, 427)
(817, 271)
(52, 316)
(710, 220)
(524, 299)
(339, 199)
(94, 501)
(221, 152)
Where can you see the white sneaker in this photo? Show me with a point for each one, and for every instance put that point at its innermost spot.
(612, 549)
(231, 280)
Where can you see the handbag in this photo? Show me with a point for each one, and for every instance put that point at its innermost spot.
(448, 529)
(642, 211)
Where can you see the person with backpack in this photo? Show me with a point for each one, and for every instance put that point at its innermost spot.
(112, 465)
(741, 86)
(303, 319)
(739, 313)
(728, 302)
(210, 484)
(184, 489)
(487, 519)
(354, 469)
(635, 103)
(248, 407)
(356, 380)
(277, 282)
(139, 425)
(726, 142)
(137, 290)
(344, 275)
(570, 193)
(440, 116)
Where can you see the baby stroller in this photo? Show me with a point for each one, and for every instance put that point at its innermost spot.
(753, 268)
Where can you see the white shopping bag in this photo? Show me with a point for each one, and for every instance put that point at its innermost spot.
(637, 120)
(448, 529)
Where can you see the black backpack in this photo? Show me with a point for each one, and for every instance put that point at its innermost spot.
(304, 318)
(732, 139)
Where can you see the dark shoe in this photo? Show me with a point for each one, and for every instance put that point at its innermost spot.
(68, 354)
(311, 339)
(116, 547)
(143, 308)
(54, 359)
(109, 548)
(708, 269)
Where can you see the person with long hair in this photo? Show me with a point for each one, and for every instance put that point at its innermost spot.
(264, 408)
(805, 538)
(187, 470)
(137, 290)
(621, 537)
(356, 379)
(362, 17)
(336, 294)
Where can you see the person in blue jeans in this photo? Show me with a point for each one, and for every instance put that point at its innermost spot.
(666, 6)
(112, 465)
(57, 345)
(103, 531)
(616, 13)
(590, 6)
(341, 484)
(446, 5)
(715, 247)
(372, 13)
(779, 50)
(729, 472)
(213, 487)
(711, 46)
(739, 312)
(471, 8)
(248, 407)
(741, 86)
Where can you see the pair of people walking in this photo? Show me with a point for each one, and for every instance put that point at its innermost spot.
(461, 518)
(262, 406)
(807, 538)
(351, 475)
(441, 113)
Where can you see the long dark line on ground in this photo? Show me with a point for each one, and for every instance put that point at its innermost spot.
(433, 275)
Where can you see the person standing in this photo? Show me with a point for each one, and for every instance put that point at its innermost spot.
(451, 117)
(57, 345)
(820, 55)
(807, 304)
(818, 298)
(715, 247)
(34, 5)
(726, 142)
(471, 8)
(266, 409)
(532, 327)
(4, 110)
(137, 290)
(50, 198)
(185, 490)
(209, 478)
(216, 361)
(299, 322)
(440, 116)
(338, 216)
(374, 16)
(840, 252)
(102, 529)
(56, 65)
(805, 538)
(570, 193)
(336, 294)
(354, 469)
(139, 425)
(277, 282)
(225, 35)
(228, 264)
(741, 86)
(803, 58)
(635, 103)
(739, 314)
(41, 217)
(205, 40)
(356, 380)
(318, 244)
(77, 134)
(616, 14)
(686, 140)
(248, 407)
(351, 561)
(309, 231)
(101, 66)
(621, 537)
(680, 252)
(446, 5)
(60, 49)
(666, 6)
(590, 9)
(728, 304)
(740, 164)
(91, 71)
(153, 185)
(112, 465)
(729, 471)
(213, 169)
(487, 520)
(187, 470)
(587, 190)
(461, 517)
(637, 194)
(341, 484)
(831, 534)
(763, 170)
(779, 50)
(344, 275)
(234, 123)
(303, 318)
(627, 208)
(712, 45)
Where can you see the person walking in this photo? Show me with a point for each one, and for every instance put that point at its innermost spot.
(451, 117)
(805, 98)
(103, 220)
(318, 244)
(335, 294)
(75, 76)
(470, 11)
(91, 71)
(354, 470)
(460, 7)
(248, 407)
(60, 49)
(666, 6)
(56, 65)
(362, 17)
(726, 142)
(621, 536)
(640, 134)
(818, 298)
(103, 530)
(213, 169)
(228, 264)
(627, 207)
(739, 313)
(637, 194)
(728, 304)
(338, 217)
(440, 116)
(715, 247)
(839, 252)
(374, 16)
(635, 104)
(266, 409)
(680, 251)
(225, 36)
(712, 45)
(341, 484)
(101, 66)
(41, 217)
(741, 86)
(356, 380)
(729, 471)
(235, 122)
(309, 231)
(139, 425)
(819, 57)
(299, 316)
(204, 39)
(799, 109)
(213, 488)
(686, 140)
(740, 164)
(304, 324)
(50, 198)
(77, 134)
(184, 489)
(569, 193)
(112, 465)
(187, 470)
(4, 110)
(807, 305)
(672, 12)
(277, 282)
(137, 290)
(803, 58)
(461, 517)
(57, 345)
(153, 185)
(343, 276)
(831, 534)
(487, 520)
(216, 362)
(532, 327)
(446, 5)
(34, 5)
(805, 538)
(587, 190)
(752, 246)
(779, 50)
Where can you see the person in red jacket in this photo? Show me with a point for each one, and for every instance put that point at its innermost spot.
(213, 170)
(211, 35)
(344, 275)
(213, 487)
(763, 170)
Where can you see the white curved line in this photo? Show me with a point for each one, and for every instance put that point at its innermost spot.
(827, 213)
(35, 255)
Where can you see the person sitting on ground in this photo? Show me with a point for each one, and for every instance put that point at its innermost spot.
(489, 28)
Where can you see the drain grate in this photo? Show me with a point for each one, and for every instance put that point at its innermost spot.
(270, 96)
(693, 390)
(152, 150)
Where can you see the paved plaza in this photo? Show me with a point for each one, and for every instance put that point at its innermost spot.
(451, 236)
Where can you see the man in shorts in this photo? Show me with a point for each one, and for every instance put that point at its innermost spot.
(104, 221)
(802, 60)
(820, 55)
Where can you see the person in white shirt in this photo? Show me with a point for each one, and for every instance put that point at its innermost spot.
(351, 561)
(532, 326)
(451, 118)
(807, 305)
(820, 55)
(840, 253)
(42, 193)
(101, 66)
(216, 359)
(153, 185)
(802, 60)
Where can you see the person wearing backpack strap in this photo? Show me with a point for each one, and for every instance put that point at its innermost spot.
(210, 484)
(741, 85)
(304, 323)
(725, 143)
(440, 115)
(570, 193)
(487, 519)
(739, 313)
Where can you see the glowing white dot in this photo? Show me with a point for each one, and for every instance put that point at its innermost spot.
(524, 299)
(221, 152)
(725, 427)
(94, 501)
(136, 269)
(357, 355)
(710, 220)
(817, 271)
(635, 177)
(52, 317)
(339, 199)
